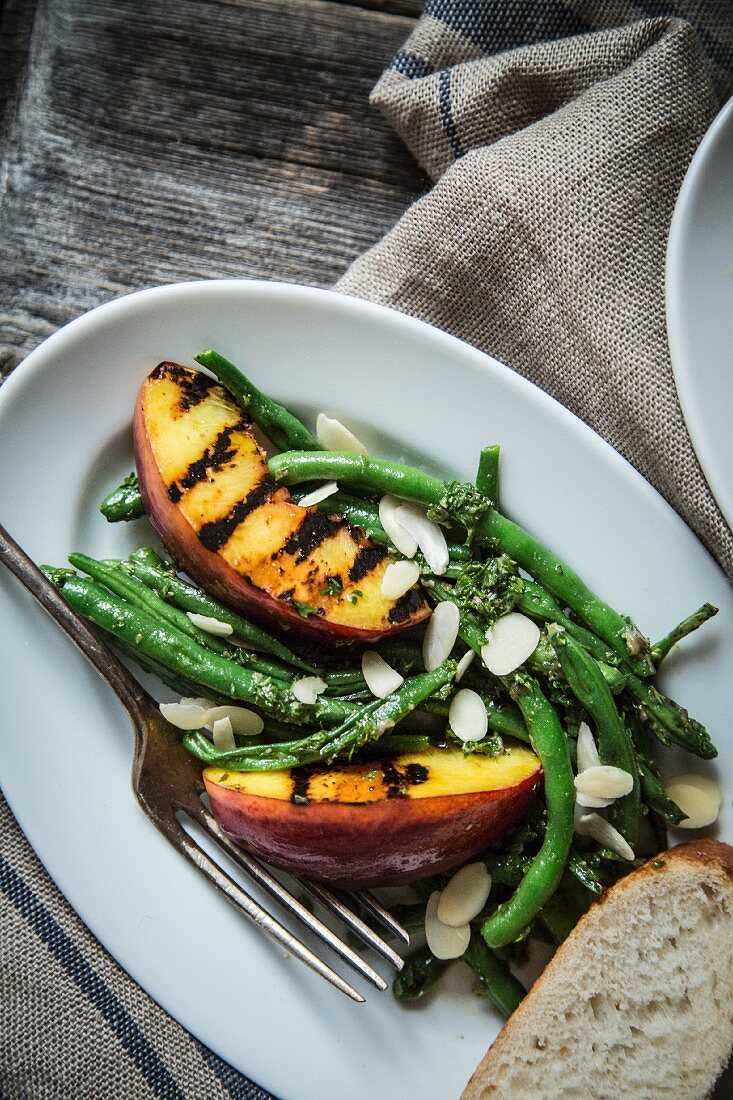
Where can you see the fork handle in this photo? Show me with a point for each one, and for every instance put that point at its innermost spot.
(132, 696)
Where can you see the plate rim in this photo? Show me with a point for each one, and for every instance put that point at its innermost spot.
(674, 295)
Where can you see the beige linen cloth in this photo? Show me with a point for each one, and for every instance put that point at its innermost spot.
(542, 241)
(556, 170)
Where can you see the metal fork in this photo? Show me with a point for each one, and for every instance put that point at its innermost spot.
(167, 783)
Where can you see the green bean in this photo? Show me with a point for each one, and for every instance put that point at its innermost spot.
(492, 528)
(546, 869)
(153, 571)
(396, 744)
(123, 503)
(539, 604)
(671, 723)
(360, 729)
(420, 972)
(614, 744)
(280, 426)
(487, 477)
(178, 652)
(661, 648)
(495, 979)
(135, 592)
(585, 875)
(655, 795)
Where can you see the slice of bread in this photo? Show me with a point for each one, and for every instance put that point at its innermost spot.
(637, 1004)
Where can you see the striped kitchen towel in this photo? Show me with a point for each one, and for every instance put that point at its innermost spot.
(556, 166)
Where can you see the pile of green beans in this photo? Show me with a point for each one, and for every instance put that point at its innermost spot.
(592, 664)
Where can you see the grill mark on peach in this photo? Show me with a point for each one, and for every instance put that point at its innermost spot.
(366, 560)
(215, 534)
(406, 606)
(194, 386)
(211, 460)
(315, 529)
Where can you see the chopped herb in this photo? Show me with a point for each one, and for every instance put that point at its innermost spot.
(304, 609)
(355, 596)
(332, 587)
(460, 504)
(658, 864)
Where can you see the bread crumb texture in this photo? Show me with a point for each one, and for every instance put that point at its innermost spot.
(638, 1002)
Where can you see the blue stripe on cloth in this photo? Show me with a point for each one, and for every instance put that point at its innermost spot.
(140, 1050)
(497, 25)
(238, 1086)
(446, 114)
(410, 64)
(717, 51)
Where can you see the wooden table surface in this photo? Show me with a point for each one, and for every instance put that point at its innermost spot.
(147, 143)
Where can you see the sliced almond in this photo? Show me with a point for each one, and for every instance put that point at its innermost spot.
(444, 941)
(699, 798)
(465, 895)
(222, 735)
(429, 535)
(402, 539)
(211, 625)
(467, 715)
(184, 716)
(381, 678)
(335, 436)
(511, 641)
(464, 663)
(603, 832)
(308, 688)
(321, 493)
(604, 781)
(441, 634)
(398, 578)
(244, 722)
(588, 802)
(587, 752)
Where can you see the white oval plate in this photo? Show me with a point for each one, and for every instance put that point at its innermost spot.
(405, 388)
(699, 296)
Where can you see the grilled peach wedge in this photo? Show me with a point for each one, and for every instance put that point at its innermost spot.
(207, 491)
(376, 824)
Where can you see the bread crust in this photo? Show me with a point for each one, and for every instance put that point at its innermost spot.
(711, 854)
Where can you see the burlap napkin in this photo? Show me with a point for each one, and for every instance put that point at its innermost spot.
(542, 242)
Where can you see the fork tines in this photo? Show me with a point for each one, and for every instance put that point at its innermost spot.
(269, 924)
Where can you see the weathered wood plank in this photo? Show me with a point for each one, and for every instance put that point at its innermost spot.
(191, 139)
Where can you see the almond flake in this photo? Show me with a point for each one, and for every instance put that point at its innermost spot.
(398, 578)
(308, 688)
(465, 895)
(463, 664)
(402, 539)
(381, 678)
(321, 493)
(335, 436)
(211, 625)
(699, 798)
(222, 735)
(604, 781)
(467, 715)
(444, 941)
(441, 634)
(511, 641)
